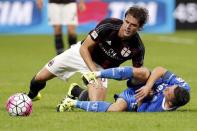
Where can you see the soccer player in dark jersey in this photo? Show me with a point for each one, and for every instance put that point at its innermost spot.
(63, 13)
(158, 91)
(111, 43)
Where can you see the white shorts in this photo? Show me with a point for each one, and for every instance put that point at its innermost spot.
(68, 63)
(62, 14)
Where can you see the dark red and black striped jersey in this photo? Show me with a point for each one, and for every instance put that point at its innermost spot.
(61, 1)
(111, 50)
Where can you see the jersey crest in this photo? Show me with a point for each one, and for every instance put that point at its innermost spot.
(125, 52)
(108, 42)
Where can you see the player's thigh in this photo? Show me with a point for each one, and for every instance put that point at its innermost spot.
(44, 74)
(118, 106)
(67, 63)
(54, 14)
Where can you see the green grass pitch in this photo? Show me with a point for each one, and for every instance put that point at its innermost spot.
(22, 56)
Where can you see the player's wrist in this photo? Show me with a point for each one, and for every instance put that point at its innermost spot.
(148, 87)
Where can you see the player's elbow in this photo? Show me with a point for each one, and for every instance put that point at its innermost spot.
(159, 69)
(82, 50)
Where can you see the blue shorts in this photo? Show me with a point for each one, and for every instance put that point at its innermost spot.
(128, 96)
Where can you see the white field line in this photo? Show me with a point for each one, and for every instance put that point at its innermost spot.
(176, 40)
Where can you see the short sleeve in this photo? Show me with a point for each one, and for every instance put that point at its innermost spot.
(172, 79)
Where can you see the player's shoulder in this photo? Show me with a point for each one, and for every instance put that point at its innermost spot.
(111, 22)
(136, 39)
(136, 36)
(114, 20)
(108, 25)
(168, 75)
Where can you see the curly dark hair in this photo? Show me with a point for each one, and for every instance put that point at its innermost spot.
(140, 13)
(182, 96)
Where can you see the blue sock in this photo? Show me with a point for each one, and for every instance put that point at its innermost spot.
(93, 106)
(119, 73)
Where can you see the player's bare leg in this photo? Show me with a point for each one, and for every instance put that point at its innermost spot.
(39, 82)
(119, 106)
(43, 75)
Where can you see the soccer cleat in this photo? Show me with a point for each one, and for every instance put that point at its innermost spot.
(66, 105)
(89, 78)
(38, 97)
(71, 93)
(70, 90)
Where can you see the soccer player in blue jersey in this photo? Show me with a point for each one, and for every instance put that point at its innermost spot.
(156, 91)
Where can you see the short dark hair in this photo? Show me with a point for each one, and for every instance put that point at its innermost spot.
(140, 13)
(182, 96)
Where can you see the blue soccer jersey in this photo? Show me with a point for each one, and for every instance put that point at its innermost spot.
(156, 104)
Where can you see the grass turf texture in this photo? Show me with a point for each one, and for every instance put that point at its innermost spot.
(23, 56)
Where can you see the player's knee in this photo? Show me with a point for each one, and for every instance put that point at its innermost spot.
(117, 109)
(119, 106)
(96, 93)
(71, 30)
(141, 74)
(44, 75)
(39, 78)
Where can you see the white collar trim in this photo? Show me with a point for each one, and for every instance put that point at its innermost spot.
(163, 105)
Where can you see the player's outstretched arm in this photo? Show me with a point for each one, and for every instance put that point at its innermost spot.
(145, 90)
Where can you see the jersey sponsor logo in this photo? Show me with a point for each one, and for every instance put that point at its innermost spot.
(108, 42)
(109, 52)
(161, 87)
(94, 34)
(125, 52)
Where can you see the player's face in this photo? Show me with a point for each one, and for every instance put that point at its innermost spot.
(169, 93)
(130, 26)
